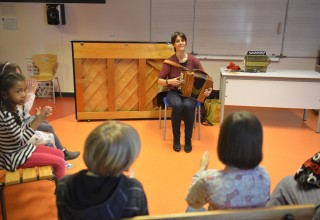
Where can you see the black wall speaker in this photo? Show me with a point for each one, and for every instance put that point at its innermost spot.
(55, 14)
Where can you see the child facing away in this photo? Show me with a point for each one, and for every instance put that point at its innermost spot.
(242, 183)
(24, 110)
(301, 188)
(15, 151)
(103, 191)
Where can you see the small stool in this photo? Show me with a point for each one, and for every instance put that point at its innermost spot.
(23, 175)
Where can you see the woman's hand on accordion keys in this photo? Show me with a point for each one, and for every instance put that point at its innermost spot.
(176, 81)
(207, 92)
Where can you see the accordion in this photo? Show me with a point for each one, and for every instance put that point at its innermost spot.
(255, 61)
(195, 83)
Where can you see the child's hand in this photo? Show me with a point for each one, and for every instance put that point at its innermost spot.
(204, 162)
(132, 174)
(32, 85)
(43, 114)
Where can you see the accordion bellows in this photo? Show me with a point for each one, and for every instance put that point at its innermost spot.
(195, 84)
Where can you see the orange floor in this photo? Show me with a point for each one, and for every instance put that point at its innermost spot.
(165, 174)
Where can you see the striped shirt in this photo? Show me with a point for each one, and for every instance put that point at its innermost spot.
(14, 146)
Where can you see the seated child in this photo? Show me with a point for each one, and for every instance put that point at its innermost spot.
(25, 109)
(15, 151)
(302, 188)
(242, 183)
(102, 191)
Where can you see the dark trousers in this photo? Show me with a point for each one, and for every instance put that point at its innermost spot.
(182, 107)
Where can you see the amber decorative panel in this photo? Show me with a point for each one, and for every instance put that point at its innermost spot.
(117, 80)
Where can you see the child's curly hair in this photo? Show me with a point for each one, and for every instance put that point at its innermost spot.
(7, 81)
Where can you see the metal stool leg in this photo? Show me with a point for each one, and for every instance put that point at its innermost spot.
(58, 86)
(195, 117)
(53, 93)
(197, 112)
(165, 122)
(3, 204)
(199, 122)
(160, 116)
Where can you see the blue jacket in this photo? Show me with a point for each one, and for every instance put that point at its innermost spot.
(125, 199)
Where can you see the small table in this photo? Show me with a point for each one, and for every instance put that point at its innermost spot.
(275, 88)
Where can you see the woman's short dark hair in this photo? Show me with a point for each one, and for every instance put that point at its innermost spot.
(176, 34)
(240, 140)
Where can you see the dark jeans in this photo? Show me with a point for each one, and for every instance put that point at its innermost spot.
(182, 107)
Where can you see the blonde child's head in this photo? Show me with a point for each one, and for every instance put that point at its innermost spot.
(111, 148)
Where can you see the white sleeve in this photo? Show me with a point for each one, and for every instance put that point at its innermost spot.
(197, 195)
(28, 105)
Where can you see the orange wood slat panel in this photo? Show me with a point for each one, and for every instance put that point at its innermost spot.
(117, 115)
(79, 84)
(117, 78)
(297, 212)
(122, 50)
(142, 84)
(29, 174)
(110, 84)
(12, 177)
(45, 172)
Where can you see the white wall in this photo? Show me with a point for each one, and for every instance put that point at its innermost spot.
(117, 20)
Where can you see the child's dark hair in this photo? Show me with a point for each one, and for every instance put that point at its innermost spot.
(7, 81)
(9, 67)
(240, 140)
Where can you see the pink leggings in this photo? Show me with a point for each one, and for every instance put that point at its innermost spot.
(47, 156)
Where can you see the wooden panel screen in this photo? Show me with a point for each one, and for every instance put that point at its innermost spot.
(117, 80)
